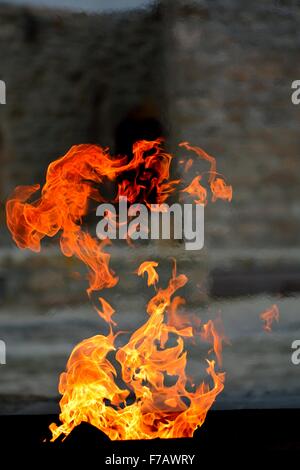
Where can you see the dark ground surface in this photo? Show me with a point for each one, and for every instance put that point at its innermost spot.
(228, 435)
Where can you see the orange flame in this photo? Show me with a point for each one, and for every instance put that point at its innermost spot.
(139, 404)
(218, 187)
(213, 333)
(220, 190)
(188, 165)
(90, 392)
(196, 190)
(149, 268)
(106, 312)
(269, 316)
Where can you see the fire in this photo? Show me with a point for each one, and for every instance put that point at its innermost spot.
(90, 392)
(138, 404)
(218, 187)
(269, 316)
(196, 190)
(106, 312)
(213, 333)
(149, 268)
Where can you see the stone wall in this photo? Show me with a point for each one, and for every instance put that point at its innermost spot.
(217, 74)
(230, 66)
(71, 78)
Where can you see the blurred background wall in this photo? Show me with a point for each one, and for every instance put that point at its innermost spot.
(217, 74)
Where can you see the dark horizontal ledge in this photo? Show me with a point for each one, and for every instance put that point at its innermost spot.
(253, 431)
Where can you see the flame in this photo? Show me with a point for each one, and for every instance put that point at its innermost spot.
(188, 165)
(218, 187)
(213, 333)
(139, 404)
(149, 268)
(269, 316)
(90, 392)
(106, 312)
(196, 190)
(220, 190)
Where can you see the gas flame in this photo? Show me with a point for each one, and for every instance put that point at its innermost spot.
(269, 316)
(139, 404)
(90, 392)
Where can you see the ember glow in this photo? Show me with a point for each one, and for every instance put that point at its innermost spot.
(138, 404)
